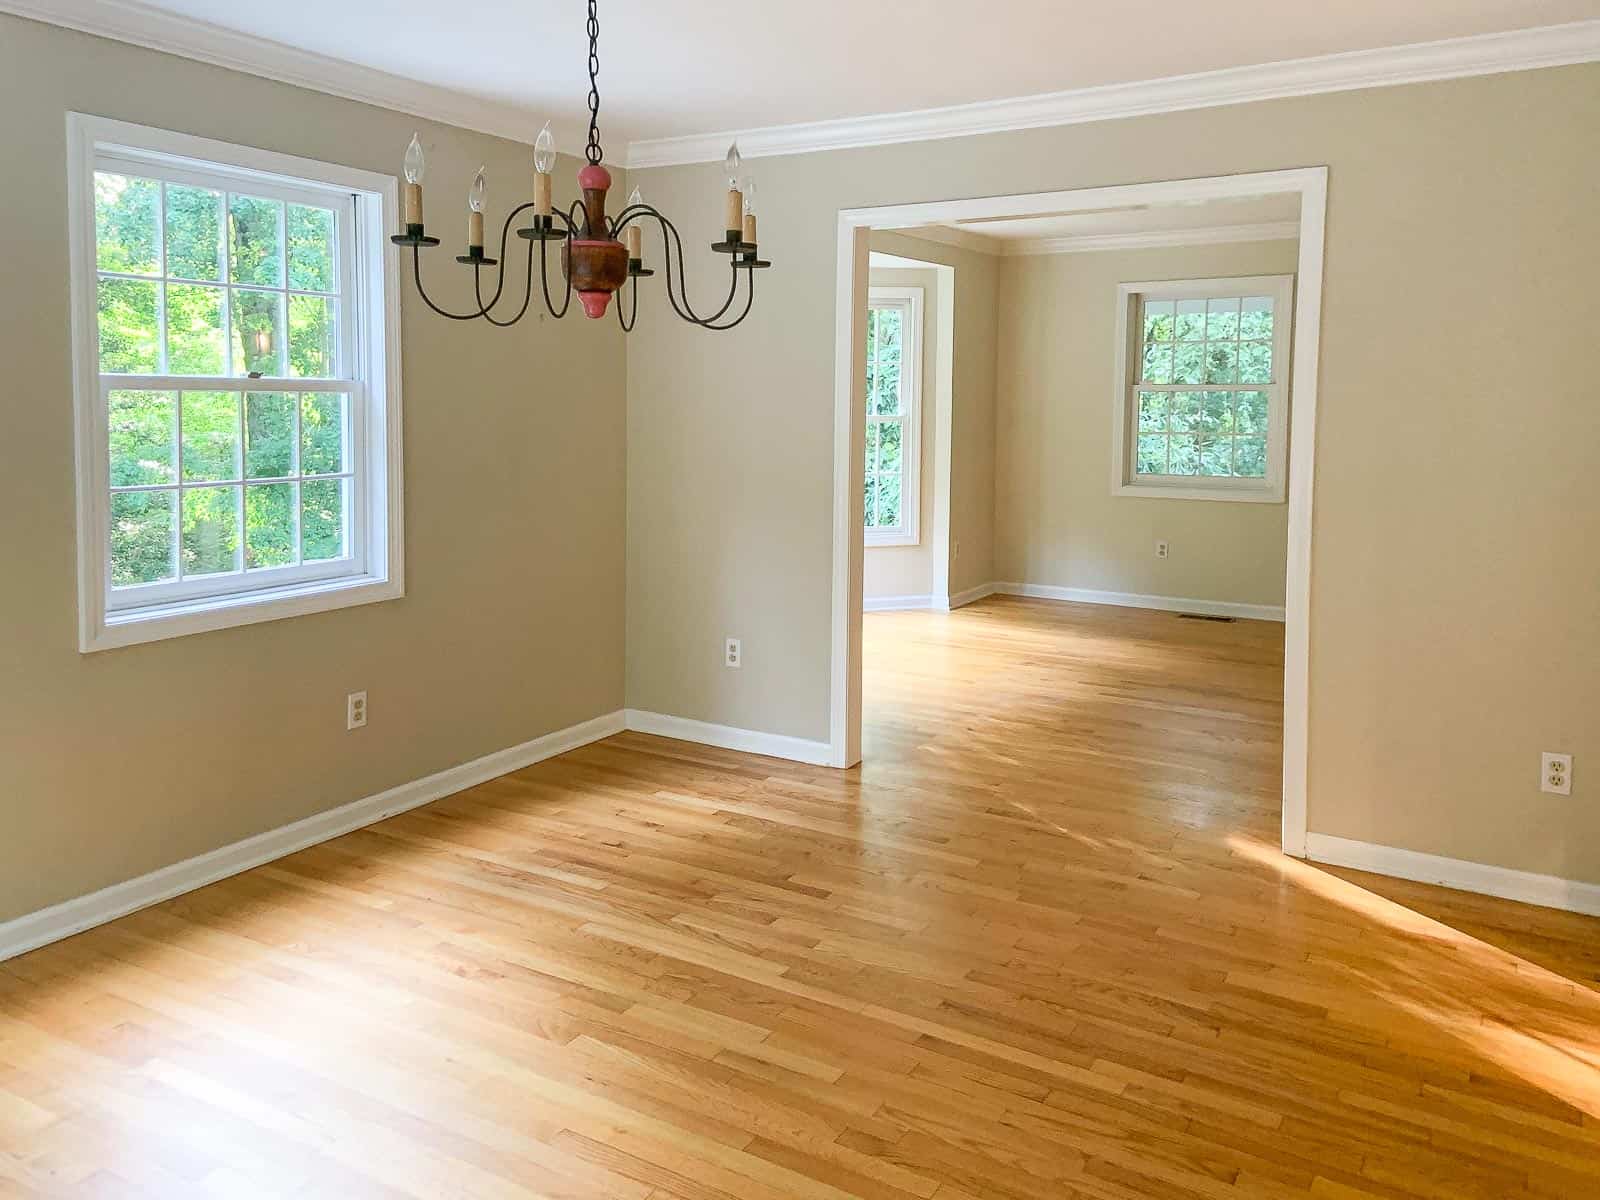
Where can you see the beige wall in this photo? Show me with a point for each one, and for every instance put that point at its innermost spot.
(1056, 519)
(1454, 455)
(909, 570)
(116, 763)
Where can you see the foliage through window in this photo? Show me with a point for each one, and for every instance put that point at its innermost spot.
(1205, 371)
(894, 363)
(234, 393)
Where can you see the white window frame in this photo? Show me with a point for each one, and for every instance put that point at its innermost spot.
(1273, 489)
(370, 333)
(909, 301)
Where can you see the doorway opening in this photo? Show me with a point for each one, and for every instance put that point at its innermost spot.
(1207, 293)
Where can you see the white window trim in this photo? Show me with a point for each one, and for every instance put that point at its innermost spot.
(1273, 489)
(380, 574)
(908, 531)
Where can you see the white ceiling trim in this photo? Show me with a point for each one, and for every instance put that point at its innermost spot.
(1146, 239)
(1486, 54)
(142, 25)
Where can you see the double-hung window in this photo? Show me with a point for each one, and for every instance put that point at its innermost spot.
(893, 424)
(237, 384)
(1201, 409)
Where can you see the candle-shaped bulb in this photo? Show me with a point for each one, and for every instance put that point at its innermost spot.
(634, 198)
(748, 187)
(544, 151)
(415, 165)
(732, 164)
(476, 192)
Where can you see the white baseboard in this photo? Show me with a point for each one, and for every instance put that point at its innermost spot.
(962, 599)
(1211, 608)
(895, 603)
(728, 737)
(85, 912)
(1550, 891)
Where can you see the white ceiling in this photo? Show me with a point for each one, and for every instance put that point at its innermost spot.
(698, 66)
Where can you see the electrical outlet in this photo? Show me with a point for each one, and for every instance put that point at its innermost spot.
(1555, 774)
(1161, 549)
(730, 655)
(355, 710)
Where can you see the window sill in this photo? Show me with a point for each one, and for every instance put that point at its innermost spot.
(1179, 491)
(876, 540)
(132, 627)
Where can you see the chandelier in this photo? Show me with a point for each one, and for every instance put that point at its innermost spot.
(599, 254)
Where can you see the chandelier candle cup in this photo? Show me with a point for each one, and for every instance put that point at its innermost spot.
(415, 166)
(750, 213)
(475, 196)
(734, 218)
(544, 163)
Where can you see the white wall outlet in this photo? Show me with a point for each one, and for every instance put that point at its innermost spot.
(1161, 549)
(1555, 774)
(355, 710)
(731, 653)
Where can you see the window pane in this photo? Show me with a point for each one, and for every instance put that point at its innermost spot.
(130, 334)
(1250, 457)
(255, 253)
(1189, 363)
(143, 430)
(268, 435)
(313, 336)
(872, 356)
(269, 525)
(1185, 411)
(323, 505)
(1216, 456)
(1153, 410)
(257, 332)
(1190, 321)
(210, 542)
(1185, 456)
(871, 456)
(194, 233)
(1251, 412)
(1152, 458)
(311, 261)
(1222, 319)
(1255, 362)
(1158, 321)
(1222, 362)
(1256, 319)
(1216, 412)
(210, 437)
(889, 446)
(869, 501)
(1157, 363)
(322, 436)
(141, 537)
(194, 329)
(888, 501)
(125, 224)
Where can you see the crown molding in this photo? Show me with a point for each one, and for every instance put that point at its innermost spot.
(141, 25)
(1454, 58)
(1266, 231)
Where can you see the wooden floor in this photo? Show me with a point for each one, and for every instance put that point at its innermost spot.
(1040, 945)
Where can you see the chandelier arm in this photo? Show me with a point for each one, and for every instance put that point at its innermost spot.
(672, 242)
(416, 263)
(544, 280)
(749, 302)
(527, 294)
(633, 314)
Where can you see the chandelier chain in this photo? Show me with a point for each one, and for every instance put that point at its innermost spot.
(593, 152)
